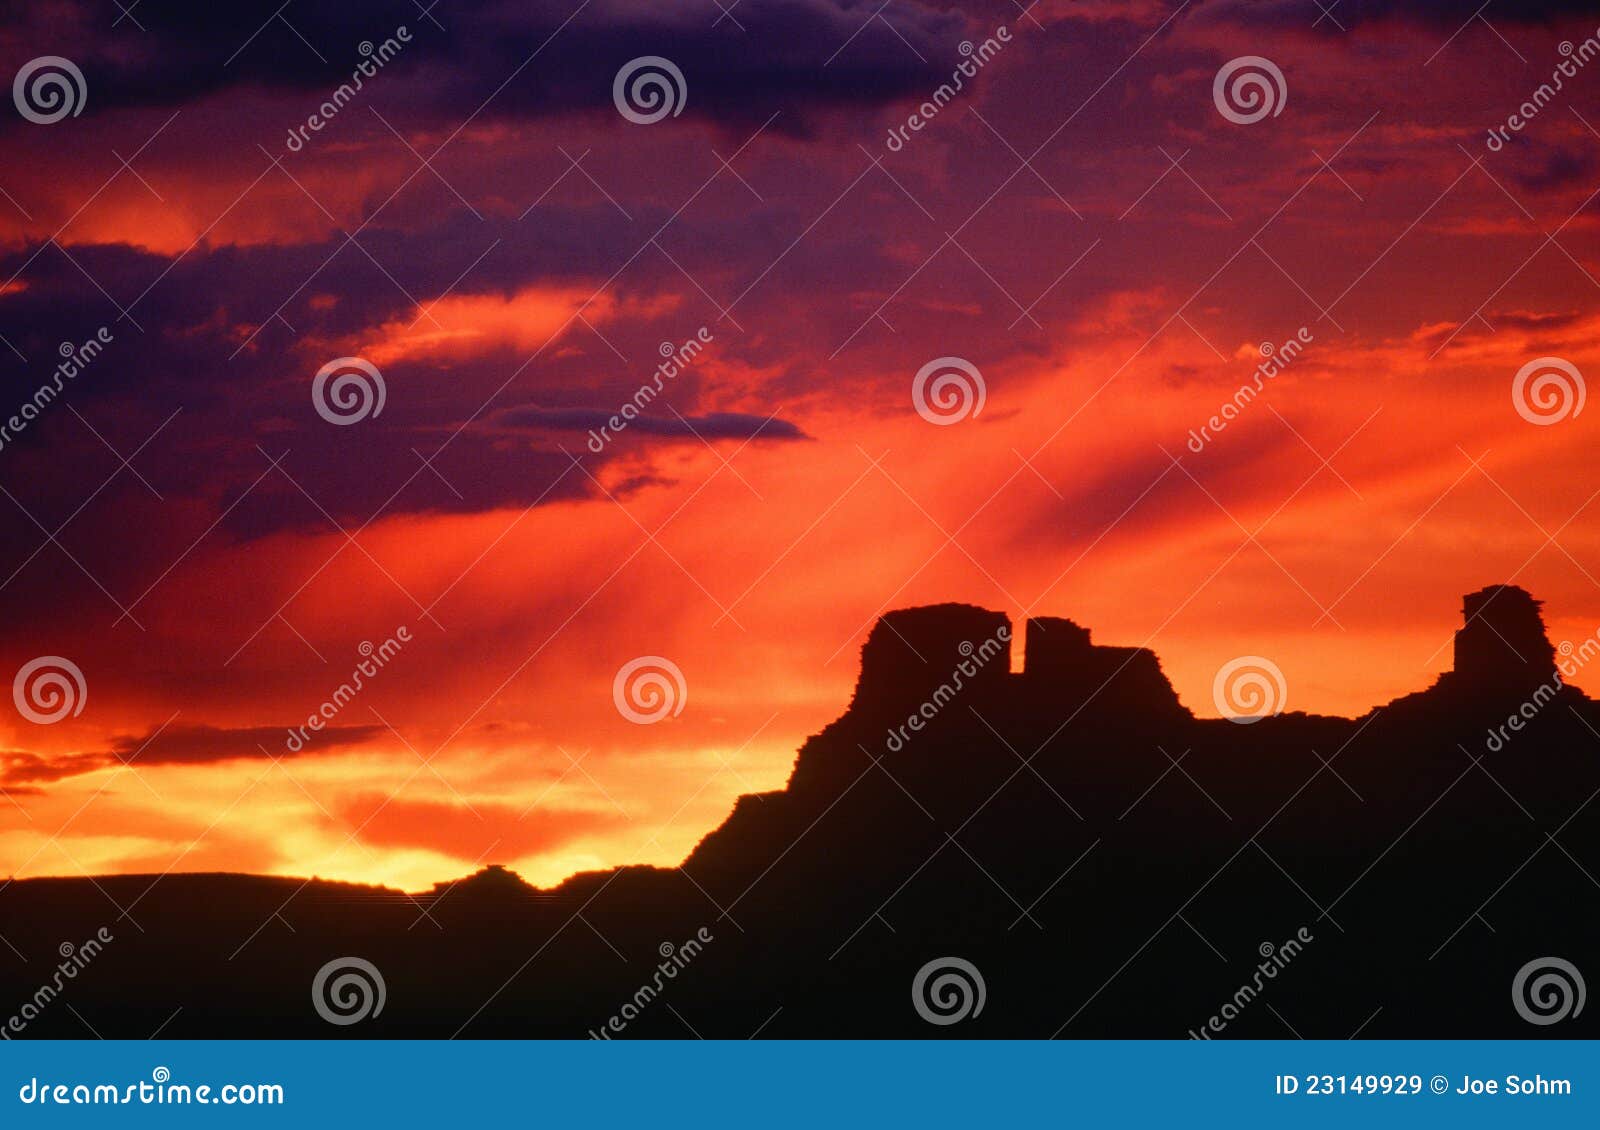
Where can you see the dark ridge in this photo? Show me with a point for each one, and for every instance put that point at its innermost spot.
(1112, 865)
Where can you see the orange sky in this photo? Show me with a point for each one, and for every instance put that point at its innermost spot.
(1111, 301)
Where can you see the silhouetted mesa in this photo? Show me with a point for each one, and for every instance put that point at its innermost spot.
(912, 652)
(1050, 826)
(1502, 648)
(495, 881)
(916, 656)
(1060, 659)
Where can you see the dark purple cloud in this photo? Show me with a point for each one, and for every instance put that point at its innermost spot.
(175, 745)
(536, 58)
(1348, 13)
(711, 425)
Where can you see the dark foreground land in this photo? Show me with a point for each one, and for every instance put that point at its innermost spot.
(1108, 865)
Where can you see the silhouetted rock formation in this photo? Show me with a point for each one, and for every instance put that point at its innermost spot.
(1060, 660)
(1112, 865)
(1502, 646)
(493, 882)
(911, 652)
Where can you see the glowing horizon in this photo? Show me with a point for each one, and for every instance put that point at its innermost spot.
(222, 545)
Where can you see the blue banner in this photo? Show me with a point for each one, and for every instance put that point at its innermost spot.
(709, 1085)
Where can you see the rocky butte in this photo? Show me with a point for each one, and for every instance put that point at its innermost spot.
(1112, 866)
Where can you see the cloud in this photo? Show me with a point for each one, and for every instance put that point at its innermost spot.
(1555, 168)
(818, 54)
(19, 768)
(1349, 13)
(712, 425)
(196, 745)
(167, 379)
(175, 745)
(479, 832)
(466, 325)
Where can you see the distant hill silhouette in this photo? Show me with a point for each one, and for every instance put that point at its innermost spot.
(1110, 865)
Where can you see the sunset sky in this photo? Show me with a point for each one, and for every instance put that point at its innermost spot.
(482, 224)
